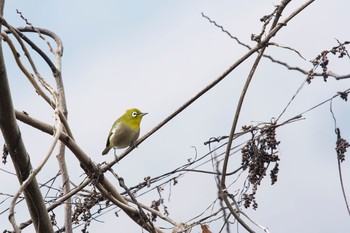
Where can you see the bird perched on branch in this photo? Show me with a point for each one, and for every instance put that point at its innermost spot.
(125, 130)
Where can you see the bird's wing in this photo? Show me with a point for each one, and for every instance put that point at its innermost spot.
(109, 135)
(114, 128)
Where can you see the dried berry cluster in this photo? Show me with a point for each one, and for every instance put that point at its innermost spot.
(341, 146)
(248, 199)
(343, 95)
(155, 205)
(323, 61)
(257, 155)
(84, 205)
(5, 153)
(340, 49)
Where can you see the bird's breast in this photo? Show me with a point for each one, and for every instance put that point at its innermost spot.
(123, 135)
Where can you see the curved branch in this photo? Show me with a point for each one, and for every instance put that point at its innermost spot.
(32, 176)
(49, 33)
(31, 79)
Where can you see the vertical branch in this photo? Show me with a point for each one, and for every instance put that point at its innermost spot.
(2, 4)
(223, 189)
(275, 27)
(62, 109)
(341, 148)
(20, 158)
(62, 106)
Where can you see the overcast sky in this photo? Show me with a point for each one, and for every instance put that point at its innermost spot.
(155, 55)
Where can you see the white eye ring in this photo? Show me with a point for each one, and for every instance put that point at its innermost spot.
(134, 114)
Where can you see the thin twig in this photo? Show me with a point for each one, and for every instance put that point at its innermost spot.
(60, 200)
(223, 190)
(286, 65)
(342, 186)
(291, 99)
(145, 220)
(34, 29)
(227, 32)
(255, 223)
(289, 48)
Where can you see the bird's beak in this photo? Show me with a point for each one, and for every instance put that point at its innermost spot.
(144, 113)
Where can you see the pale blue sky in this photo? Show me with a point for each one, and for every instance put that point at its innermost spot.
(155, 55)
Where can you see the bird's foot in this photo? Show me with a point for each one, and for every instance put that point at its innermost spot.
(133, 145)
(116, 158)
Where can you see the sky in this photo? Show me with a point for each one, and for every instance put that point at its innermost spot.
(155, 55)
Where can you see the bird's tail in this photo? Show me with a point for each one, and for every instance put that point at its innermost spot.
(106, 150)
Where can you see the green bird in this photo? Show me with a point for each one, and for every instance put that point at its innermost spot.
(125, 130)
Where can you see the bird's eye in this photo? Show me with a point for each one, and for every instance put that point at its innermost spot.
(134, 114)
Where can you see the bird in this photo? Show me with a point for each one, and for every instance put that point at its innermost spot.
(125, 130)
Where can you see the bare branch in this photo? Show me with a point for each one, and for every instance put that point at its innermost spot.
(341, 148)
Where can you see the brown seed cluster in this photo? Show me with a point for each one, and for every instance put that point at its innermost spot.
(82, 206)
(341, 146)
(258, 155)
(322, 60)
